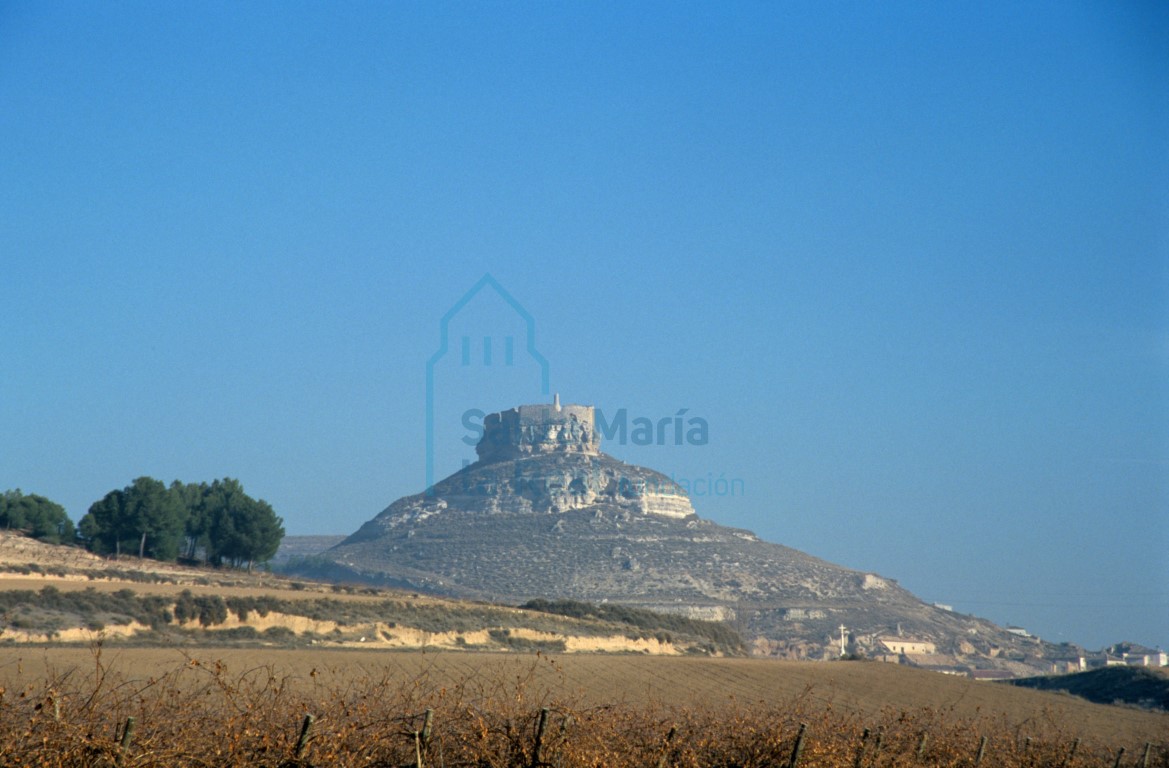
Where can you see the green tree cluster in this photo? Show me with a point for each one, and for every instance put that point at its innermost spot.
(143, 518)
(218, 521)
(228, 525)
(35, 516)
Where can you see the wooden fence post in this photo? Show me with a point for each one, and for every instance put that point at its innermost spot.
(1119, 755)
(124, 742)
(925, 737)
(981, 751)
(422, 738)
(799, 747)
(427, 723)
(540, 726)
(302, 740)
(663, 761)
(127, 733)
(860, 750)
(1145, 757)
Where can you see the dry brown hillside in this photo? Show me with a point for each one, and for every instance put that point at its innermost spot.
(53, 594)
(314, 660)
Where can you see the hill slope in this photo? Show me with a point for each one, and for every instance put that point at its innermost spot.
(545, 514)
(1139, 686)
(57, 594)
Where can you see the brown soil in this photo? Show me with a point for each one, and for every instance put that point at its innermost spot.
(866, 689)
(636, 679)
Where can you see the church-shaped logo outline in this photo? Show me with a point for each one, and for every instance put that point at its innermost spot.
(487, 281)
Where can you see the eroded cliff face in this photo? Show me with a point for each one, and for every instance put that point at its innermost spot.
(538, 459)
(543, 484)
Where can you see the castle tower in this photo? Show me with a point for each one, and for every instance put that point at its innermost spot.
(528, 430)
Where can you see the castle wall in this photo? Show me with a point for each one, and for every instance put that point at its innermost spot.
(547, 414)
(535, 429)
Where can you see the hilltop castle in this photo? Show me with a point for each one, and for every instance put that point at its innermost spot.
(528, 430)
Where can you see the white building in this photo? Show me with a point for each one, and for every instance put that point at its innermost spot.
(908, 647)
(1149, 659)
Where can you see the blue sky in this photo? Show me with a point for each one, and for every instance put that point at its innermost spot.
(910, 262)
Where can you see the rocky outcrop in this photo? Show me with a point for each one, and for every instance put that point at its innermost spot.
(542, 484)
(540, 459)
(545, 514)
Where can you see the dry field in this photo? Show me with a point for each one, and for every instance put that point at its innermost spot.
(69, 706)
(118, 705)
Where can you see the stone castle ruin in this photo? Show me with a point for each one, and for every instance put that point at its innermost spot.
(547, 458)
(529, 430)
(540, 459)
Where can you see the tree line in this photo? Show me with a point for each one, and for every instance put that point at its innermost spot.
(36, 516)
(216, 522)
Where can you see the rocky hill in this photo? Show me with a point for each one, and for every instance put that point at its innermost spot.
(299, 547)
(544, 513)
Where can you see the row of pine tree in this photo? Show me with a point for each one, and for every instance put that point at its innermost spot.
(215, 522)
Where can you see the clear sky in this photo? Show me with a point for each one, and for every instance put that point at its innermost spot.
(909, 262)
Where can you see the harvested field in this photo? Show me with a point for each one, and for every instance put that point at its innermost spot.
(247, 705)
(201, 705)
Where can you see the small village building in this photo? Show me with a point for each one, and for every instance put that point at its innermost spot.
(1068, 665)
(1147, 659)
(908, 647)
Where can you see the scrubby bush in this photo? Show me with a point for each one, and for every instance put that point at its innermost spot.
(58, 609)
(208, 609)
(279, 634)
